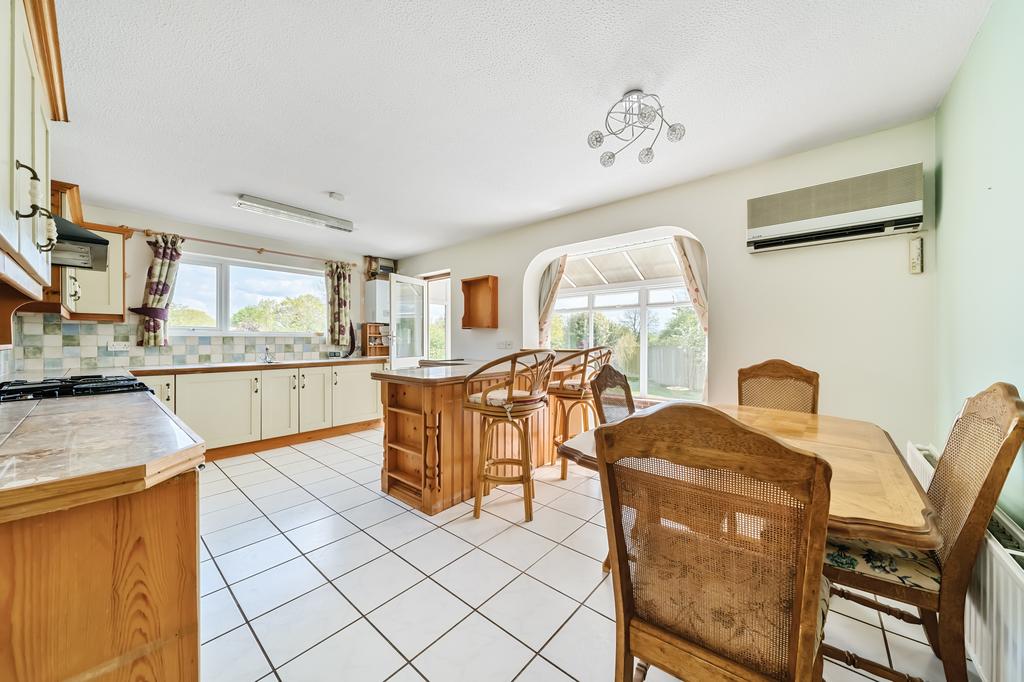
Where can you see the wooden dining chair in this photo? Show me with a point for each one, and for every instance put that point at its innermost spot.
(613, 397)
(517, 391)
(696, 597)
(968, 479)
(572, 393)
(779, 385)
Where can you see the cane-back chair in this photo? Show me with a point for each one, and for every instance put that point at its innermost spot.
(698, 597)
(779, 385)
(969, 476)
(613, 397)
(516, 391)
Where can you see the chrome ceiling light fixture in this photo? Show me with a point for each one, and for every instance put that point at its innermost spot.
(636, 113)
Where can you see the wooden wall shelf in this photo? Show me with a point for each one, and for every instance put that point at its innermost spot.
(376, 341)
(480, 302)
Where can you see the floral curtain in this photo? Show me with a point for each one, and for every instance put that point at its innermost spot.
(549, 282)
(695, 274)
(156, 297)
(339, 301)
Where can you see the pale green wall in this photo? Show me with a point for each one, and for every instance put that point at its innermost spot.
(980, 242)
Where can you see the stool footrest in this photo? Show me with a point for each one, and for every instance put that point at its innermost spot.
(490, 478)
(505, 460)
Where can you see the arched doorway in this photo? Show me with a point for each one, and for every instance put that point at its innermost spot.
(643, 293)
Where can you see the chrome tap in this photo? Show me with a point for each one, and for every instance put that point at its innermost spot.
(268, 355)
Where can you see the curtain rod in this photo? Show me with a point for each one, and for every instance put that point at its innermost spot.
(259, 250)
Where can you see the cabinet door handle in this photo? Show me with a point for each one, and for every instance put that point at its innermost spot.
(295, 382)
(168, 387)
(256, 384)
(303, 381)
(335, 378)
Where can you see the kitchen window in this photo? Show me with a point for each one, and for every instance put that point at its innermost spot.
(235, 297)
(656, 337)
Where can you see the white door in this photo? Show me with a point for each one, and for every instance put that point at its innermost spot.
(356, 395)
(315, 398)
(222, 407)
(280, 402)
(163, 388)
(408, 321)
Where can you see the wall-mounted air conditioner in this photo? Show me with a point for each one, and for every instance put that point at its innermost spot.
(873, 205)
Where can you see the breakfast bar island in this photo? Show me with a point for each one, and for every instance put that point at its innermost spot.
(431, 442)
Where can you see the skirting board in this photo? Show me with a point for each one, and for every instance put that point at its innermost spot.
(291, 439)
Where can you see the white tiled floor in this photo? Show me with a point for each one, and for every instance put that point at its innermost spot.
(310, 574)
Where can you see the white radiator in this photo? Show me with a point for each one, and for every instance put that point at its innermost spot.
(994, 620)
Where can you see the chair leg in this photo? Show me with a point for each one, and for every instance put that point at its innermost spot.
(819, 667)
(485, 442)
(931, 630)
(623, 663)
(951, 643)
(527, 472)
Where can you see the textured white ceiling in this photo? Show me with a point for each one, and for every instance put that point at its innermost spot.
(444, 120)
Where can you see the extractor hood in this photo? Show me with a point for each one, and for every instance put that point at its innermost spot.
(78, 247)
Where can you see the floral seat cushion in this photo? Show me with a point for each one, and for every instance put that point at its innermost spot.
(908, 567)
(499, 397)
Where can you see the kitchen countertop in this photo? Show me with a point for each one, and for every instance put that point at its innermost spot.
(150, 370)
(58, 453)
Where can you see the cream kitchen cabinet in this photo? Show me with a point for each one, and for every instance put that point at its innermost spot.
(315, 398)
(224, 408)
(26, 126)
(356, 395)
(279, 396)
(102, 291)
(163, 388)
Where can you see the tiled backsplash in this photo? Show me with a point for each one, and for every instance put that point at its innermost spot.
(45, 341)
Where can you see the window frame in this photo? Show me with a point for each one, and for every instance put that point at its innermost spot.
(223, 270)
(643, 304)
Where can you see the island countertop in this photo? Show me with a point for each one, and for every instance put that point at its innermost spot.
(435, 374)
(58, 453)
(439, 372)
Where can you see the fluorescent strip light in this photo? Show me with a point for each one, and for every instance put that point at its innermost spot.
(286, 212)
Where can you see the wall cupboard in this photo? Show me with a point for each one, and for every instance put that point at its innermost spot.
(233, 407)
(102, 291)
(25, 122)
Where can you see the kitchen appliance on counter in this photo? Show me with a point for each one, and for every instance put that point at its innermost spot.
(59, 387)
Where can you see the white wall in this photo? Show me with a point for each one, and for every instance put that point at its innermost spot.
(138, 255)
(851, 311)
(980, 147)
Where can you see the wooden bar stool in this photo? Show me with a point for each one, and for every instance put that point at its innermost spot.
(572, 391)
(516, 394)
